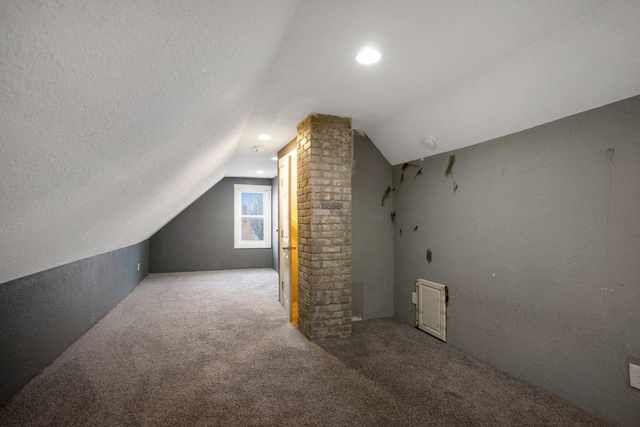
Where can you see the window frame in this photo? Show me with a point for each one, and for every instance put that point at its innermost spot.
(238, 243)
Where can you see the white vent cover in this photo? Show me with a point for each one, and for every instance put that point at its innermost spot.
(431, 308)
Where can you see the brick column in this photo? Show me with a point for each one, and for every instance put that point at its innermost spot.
(325, 155)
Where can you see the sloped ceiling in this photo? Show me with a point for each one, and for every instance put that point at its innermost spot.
(116, 115)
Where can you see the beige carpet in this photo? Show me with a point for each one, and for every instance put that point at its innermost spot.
(214, 348)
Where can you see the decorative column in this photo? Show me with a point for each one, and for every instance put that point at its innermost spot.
(325, 156)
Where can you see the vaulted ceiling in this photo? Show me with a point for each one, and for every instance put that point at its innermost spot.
(115, 115)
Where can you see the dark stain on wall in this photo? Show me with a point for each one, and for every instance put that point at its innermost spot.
(418, 173)
(449, 171)
(386, 195)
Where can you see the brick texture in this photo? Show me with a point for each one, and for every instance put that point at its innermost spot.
(325, 157)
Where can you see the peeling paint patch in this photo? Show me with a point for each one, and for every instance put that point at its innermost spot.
(449, 171)
(385, 195)
(418, 173)
(452, 160)
(610, 153)
(407, 165)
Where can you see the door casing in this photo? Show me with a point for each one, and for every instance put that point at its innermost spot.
(288, 230)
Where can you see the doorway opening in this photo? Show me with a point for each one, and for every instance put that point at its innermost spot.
(288, 229)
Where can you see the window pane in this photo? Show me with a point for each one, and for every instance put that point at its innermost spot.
(251, 216)
(252, 229)
(252, 204)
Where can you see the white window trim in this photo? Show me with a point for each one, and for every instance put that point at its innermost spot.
(238, 189)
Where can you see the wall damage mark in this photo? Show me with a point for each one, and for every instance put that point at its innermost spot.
(610, 153)
(386, 195)
(449, 171)
(409, 165)
(405, 166)
(418, 173)
(452, 160)
(396, 188)
(429, 256)
(415, 228)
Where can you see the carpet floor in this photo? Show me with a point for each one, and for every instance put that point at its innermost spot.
(214, 348)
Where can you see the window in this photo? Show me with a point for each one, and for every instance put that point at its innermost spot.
(252, 216)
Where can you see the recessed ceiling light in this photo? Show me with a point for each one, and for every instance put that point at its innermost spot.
(259, 172)
(368, 56)
(274, 158)
(264, 137)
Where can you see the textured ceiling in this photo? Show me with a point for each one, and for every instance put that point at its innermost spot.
(462, 72)
(116, 115)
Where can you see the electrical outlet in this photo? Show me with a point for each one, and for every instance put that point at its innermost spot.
(414, 298)
(634, 375)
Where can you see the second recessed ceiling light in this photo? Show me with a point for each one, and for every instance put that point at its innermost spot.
(368, 56)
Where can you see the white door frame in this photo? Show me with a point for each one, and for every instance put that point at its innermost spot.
(284, 226)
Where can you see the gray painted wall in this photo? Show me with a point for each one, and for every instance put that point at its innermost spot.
(371, 227)
(539, 248)
(42, 314)
(201, 237)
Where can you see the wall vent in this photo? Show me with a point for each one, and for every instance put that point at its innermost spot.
(431, 308)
